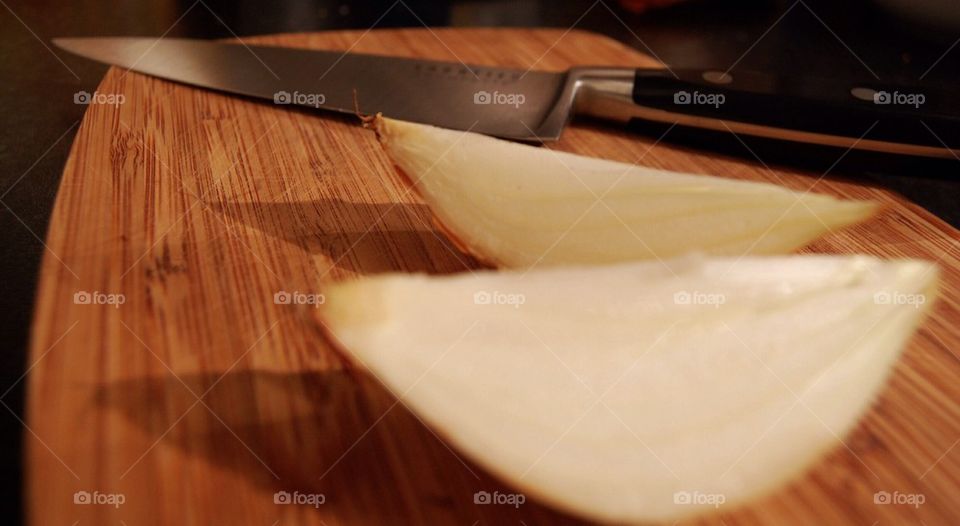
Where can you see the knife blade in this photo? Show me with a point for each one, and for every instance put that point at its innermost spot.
(536, 105)
(446, 94)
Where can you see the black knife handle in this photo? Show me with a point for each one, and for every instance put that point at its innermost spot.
(895, 118)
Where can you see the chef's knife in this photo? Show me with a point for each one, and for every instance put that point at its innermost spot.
(536, 105)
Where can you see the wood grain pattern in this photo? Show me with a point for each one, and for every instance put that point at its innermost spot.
(198, 397)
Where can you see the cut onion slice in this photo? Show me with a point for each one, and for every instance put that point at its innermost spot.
(516, 205)
(639, 391)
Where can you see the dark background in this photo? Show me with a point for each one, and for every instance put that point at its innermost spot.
(812, 37)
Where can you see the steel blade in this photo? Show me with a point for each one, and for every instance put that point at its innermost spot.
(503, 102)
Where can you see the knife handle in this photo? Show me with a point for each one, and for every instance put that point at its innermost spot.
(871, 115)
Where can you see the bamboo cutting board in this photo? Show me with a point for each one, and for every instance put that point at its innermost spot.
(198, 398)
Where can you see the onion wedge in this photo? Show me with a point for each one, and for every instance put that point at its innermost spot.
(639, 391)
(514, 205)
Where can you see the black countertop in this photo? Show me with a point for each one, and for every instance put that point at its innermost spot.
(854, 39)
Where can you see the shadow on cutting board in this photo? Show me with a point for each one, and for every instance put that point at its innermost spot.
(361, 238)
(329, 432)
